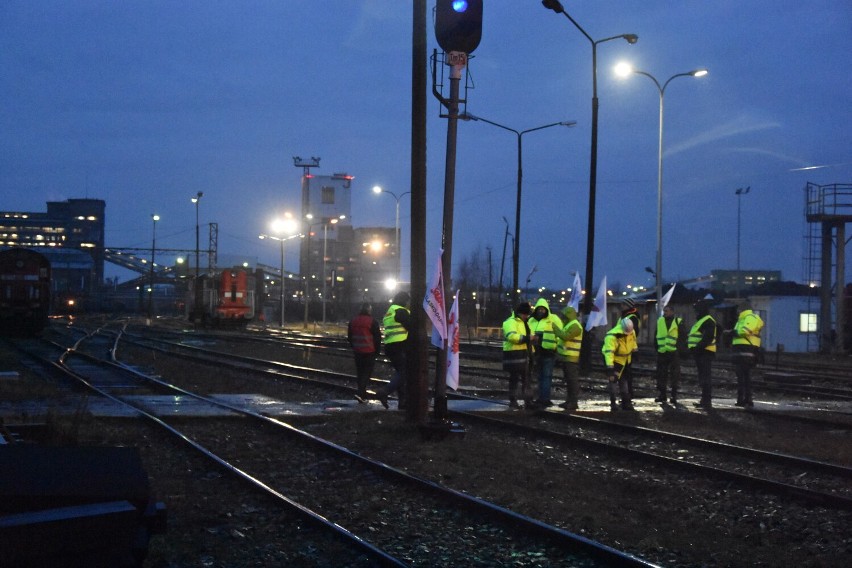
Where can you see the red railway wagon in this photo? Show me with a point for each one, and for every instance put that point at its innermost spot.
(24, 291)
(224, 298)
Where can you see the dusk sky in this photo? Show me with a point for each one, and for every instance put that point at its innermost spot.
(145, 103)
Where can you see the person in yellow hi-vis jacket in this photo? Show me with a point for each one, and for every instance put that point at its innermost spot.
(568, 356)
(618, 346)
(516, 353)
(746, 347)
(702, 346)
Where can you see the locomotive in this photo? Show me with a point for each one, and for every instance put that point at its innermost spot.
(24, 291)
(226, 297)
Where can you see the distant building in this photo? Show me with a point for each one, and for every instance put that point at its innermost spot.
(75, 224)
(729, 281)
(374, 264)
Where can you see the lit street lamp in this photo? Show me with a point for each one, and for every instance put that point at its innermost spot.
(197, 308)
(556, 6)
(739, 193)
(378, 190)
(154, 219)
(285, 226)
(623, 70)
(519, 134)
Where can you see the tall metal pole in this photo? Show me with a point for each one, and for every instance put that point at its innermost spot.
(503, 259)
(418, 379)
(154, 219)
(283, 281)
(196, 287)
(307, 275)
(624, 69)
(458, 62)
(556, 6)
(396, 234)
(324, 254)
(519, 134)
(739, 193)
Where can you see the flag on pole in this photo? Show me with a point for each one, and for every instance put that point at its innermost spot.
(598, 315)
(576, 293)
(453, 332)
(664, 301)
(434, 304)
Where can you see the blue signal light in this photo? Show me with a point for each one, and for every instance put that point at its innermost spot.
(459, 5)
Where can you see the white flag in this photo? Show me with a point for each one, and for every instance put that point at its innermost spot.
(454, 332)
(664, 301)
(598, 315)
(576, 293)
(434, 305)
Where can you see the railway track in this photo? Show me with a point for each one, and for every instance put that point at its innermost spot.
(306, 463)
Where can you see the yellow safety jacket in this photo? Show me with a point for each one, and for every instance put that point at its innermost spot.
(394, 331)
(618, 347)
(515, 340)
(695, 334)
(571, 338)
(747, 329)
(544, 327)
(667, 337)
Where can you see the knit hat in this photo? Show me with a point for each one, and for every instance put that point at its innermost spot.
(523, 308)
(628, 304)
(569, 312)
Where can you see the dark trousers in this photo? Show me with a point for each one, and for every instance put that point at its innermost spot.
(743, 361)
(704, 366)
(668, 372)
(627, 375)
(571, 372)
(518, 376)
(399, 361)
(364, 364)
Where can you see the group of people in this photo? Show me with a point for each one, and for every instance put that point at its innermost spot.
(537, 341)
(534, 340)
(365, 337)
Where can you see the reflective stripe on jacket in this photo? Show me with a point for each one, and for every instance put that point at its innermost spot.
(544, 327)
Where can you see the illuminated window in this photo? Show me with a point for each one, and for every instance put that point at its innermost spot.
(807, 322)
(328, 195)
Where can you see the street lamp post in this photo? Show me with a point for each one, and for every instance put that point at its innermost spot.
(623, 70)
(520, 135)
(154, 219)
(556, 6)
(325, 223)
(197, 309)
(284, 226)
(503, 258)
(378, 190)
(739, 193)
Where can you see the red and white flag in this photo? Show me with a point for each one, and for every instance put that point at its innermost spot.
(598, 315)
(434, 305)
(454, 333)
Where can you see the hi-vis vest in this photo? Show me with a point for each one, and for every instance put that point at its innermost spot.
(394, 331)
(747, 329)
(569, 349)
(667, 338)
(695, 334)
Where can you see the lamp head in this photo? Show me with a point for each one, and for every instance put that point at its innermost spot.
(377, 189)
(699, 72)
(468, 116)
(631, 38)
(623, 69)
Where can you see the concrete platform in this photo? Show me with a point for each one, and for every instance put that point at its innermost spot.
(166, 406)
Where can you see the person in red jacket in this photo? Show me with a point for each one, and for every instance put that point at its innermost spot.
(365, 337)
